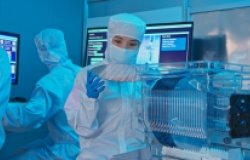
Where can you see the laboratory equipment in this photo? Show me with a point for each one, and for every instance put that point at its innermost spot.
(196, 110)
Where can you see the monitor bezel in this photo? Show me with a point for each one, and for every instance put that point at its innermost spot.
(7, 33)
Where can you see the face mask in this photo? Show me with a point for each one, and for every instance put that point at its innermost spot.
(122, 55)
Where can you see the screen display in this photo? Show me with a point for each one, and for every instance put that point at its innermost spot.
(162, 43)
(96, 45)
(10, 42)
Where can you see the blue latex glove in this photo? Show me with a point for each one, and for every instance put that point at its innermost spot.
(94, 85)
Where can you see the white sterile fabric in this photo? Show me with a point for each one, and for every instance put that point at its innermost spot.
(106, 124)
(46, 105)
(124, 25)
(51, 47)
(122, 55)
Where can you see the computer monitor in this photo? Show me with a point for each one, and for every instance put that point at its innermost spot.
(96, 45)
(169, 42)
(162, 43)
(10, 43)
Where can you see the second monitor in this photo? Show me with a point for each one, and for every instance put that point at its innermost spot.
(162, 43)
(10, 43)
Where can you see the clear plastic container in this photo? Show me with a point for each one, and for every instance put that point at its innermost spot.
(189, 103)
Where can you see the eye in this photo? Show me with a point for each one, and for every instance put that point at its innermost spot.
(117, 41)
(133, 45)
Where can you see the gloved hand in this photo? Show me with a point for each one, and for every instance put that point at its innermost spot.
(94, 85)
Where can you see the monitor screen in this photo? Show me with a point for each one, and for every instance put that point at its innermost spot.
(162, 43)
(96, 45)
(10, 43)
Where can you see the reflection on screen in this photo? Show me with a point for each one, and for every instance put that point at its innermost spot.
(9, 42)
(162, 43)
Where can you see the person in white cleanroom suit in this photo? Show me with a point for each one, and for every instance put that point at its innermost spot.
(5, 84)
(102, 112)
(46, 104)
